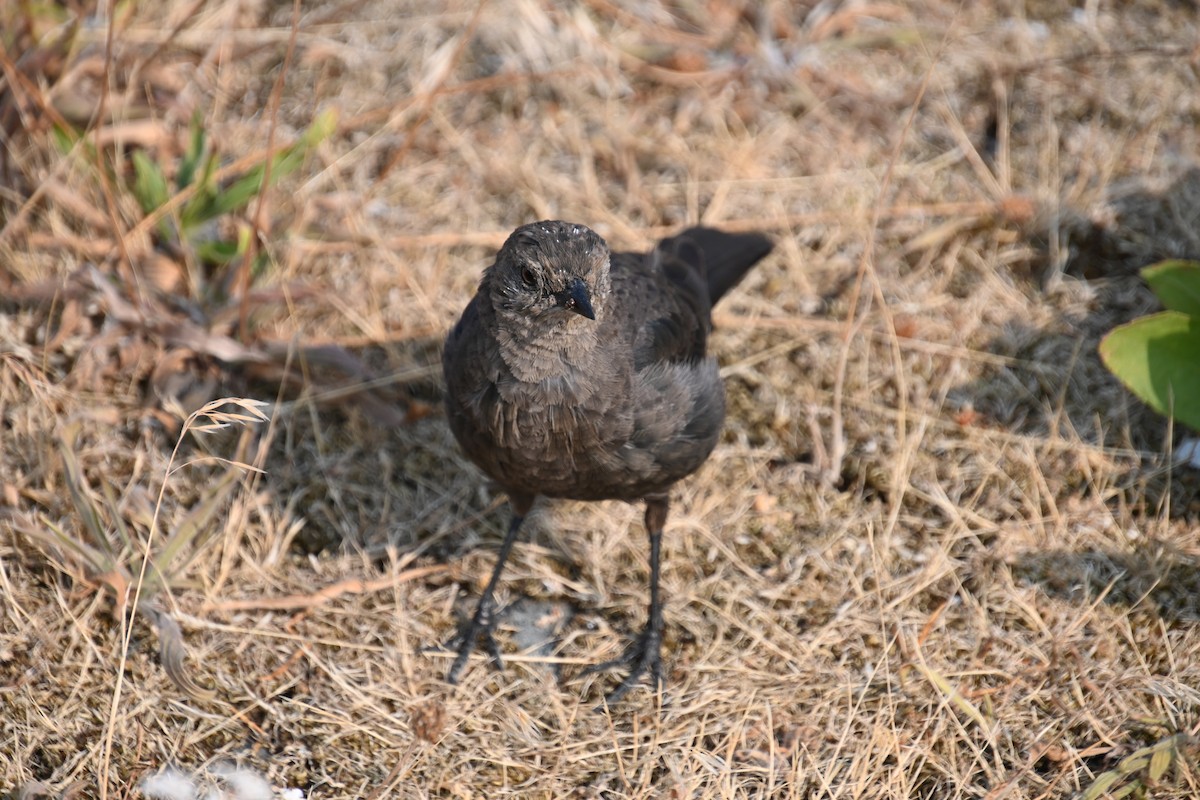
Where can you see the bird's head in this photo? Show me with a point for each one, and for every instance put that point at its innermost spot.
(552, 271)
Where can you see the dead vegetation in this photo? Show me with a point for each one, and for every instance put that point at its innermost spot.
(939, 554)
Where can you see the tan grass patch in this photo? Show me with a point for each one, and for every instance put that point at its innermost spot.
(939, 553)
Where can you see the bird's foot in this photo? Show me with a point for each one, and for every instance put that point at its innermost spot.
(643, 655)
(480, 629)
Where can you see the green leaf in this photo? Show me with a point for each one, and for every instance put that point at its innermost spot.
(195, 151)
(1100, 786)
(220, 251)
(1177, 284)
(64, 138)
(77, 486)
(211, 201)
(238, 194)
(198, 210)
(149, 185)
(1127, 790)
(1158, 358)
(259, 267)
(1137, 761)
(53, 535)
(198, 523)
(1160, 762)
(321, 128)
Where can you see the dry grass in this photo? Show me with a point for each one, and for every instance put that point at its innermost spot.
(939, 553)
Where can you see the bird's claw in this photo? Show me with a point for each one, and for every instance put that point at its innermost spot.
(480, 628)
(643, 655)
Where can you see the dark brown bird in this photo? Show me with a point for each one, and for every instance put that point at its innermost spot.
(575, 372)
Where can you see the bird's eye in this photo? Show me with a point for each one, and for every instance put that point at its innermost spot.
(527, 277)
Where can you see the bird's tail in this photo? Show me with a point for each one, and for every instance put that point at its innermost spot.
(723, 258)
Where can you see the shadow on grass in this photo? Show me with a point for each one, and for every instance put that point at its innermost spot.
(1055, 384)
(368, 480)
(1145, 226)
(1166, 583)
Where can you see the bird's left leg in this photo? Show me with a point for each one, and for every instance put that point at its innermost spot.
(644, 653)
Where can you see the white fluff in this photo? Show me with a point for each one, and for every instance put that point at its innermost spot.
(245, 784)
(168, 784)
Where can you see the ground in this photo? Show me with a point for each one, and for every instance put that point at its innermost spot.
(940, 552)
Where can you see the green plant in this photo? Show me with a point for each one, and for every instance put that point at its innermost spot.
(190, 226)
(1158, 356)
(1142, 770)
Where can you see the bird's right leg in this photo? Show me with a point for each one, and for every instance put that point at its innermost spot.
(483, 624)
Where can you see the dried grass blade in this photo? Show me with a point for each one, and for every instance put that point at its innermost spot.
(953, 695)
(324, 595)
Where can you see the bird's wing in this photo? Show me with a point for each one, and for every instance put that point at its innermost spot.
(726, 257)
(663, 300)
(667, 295)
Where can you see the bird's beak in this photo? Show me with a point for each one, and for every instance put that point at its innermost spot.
(576, 298)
